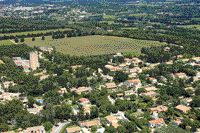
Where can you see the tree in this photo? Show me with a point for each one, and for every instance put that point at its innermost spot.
(140, 90)
(94, 129)
(63, 112)
(48, 125)
(16, 40)
(196, 124)
(33, 39)
(43, 38)
(133, 97)
(4, 127)
(94, 112)
(120, 76)
(31, 101)
(110, 129)
(22, 40)
(121, 129)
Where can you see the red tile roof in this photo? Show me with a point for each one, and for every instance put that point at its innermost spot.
(157, 121)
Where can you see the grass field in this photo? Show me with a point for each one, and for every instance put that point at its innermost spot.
(93, 45)
(6, 42)
(33, 32)
(190, 26)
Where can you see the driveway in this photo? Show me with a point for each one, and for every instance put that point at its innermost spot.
(58, 128)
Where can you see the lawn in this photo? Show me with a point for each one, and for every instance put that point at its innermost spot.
(171, 129)
(33, 32)
(93, 45)
(190, 26)
(133, 28)
(6, 42)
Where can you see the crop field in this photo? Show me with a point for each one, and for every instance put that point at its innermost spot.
(33, 32)
(190, 26)
(92, 45)
(6, 42)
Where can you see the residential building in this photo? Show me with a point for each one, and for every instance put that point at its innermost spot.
(152, 80)
(111, 119)
(76, 129)
(89, 124)
(75, 67)
(83, 89)
(34, 64)
(62, 91)
(129, 92)
(36, 129)
(133, 76)
(190, 88)
(150, 94)
(177, 123)
(135, 83)
(150, 89)
(84, 101)
(111, 86)
(158, 109)
(196, 59)
(158, 123)
(180, 75)
(107, 77)
(187, 101)
(182, 108)
(120, 95)
(1, 62)
(6, 84)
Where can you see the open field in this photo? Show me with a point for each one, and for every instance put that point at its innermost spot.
(6, 42)
(190, 26)
(93, 45)
(134, 28)
(33, 32)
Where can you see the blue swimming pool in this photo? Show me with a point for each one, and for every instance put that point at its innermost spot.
(41, 101)
(101, 130)
(75, 108)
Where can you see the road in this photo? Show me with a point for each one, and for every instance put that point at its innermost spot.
(58, 128)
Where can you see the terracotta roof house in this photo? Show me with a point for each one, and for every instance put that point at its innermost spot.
(152, 80)
(84, 101)
(190, 88)
(152, 66)
(180, 75)
(169, 62)
(135, 83)
(183, 108)
(177, 123)
(196, 59)
(36, 129)
(62, 90)
(7, 84)
(158, 109)
(133, 76)
(83, 89)
(149, 89)
(76, 129)
(111, 118)
(158, 123)
(1, 62)
(179, 56)
(150, 94)
(115, 125)
(185, 60)
(111, 85)
(75, 67)
(9, 132)
(90, 124)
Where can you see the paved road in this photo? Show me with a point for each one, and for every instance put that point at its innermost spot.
(58, 128)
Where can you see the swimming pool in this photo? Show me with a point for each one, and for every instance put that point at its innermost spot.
(75, 108)
(101, 130)
(39, 100)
